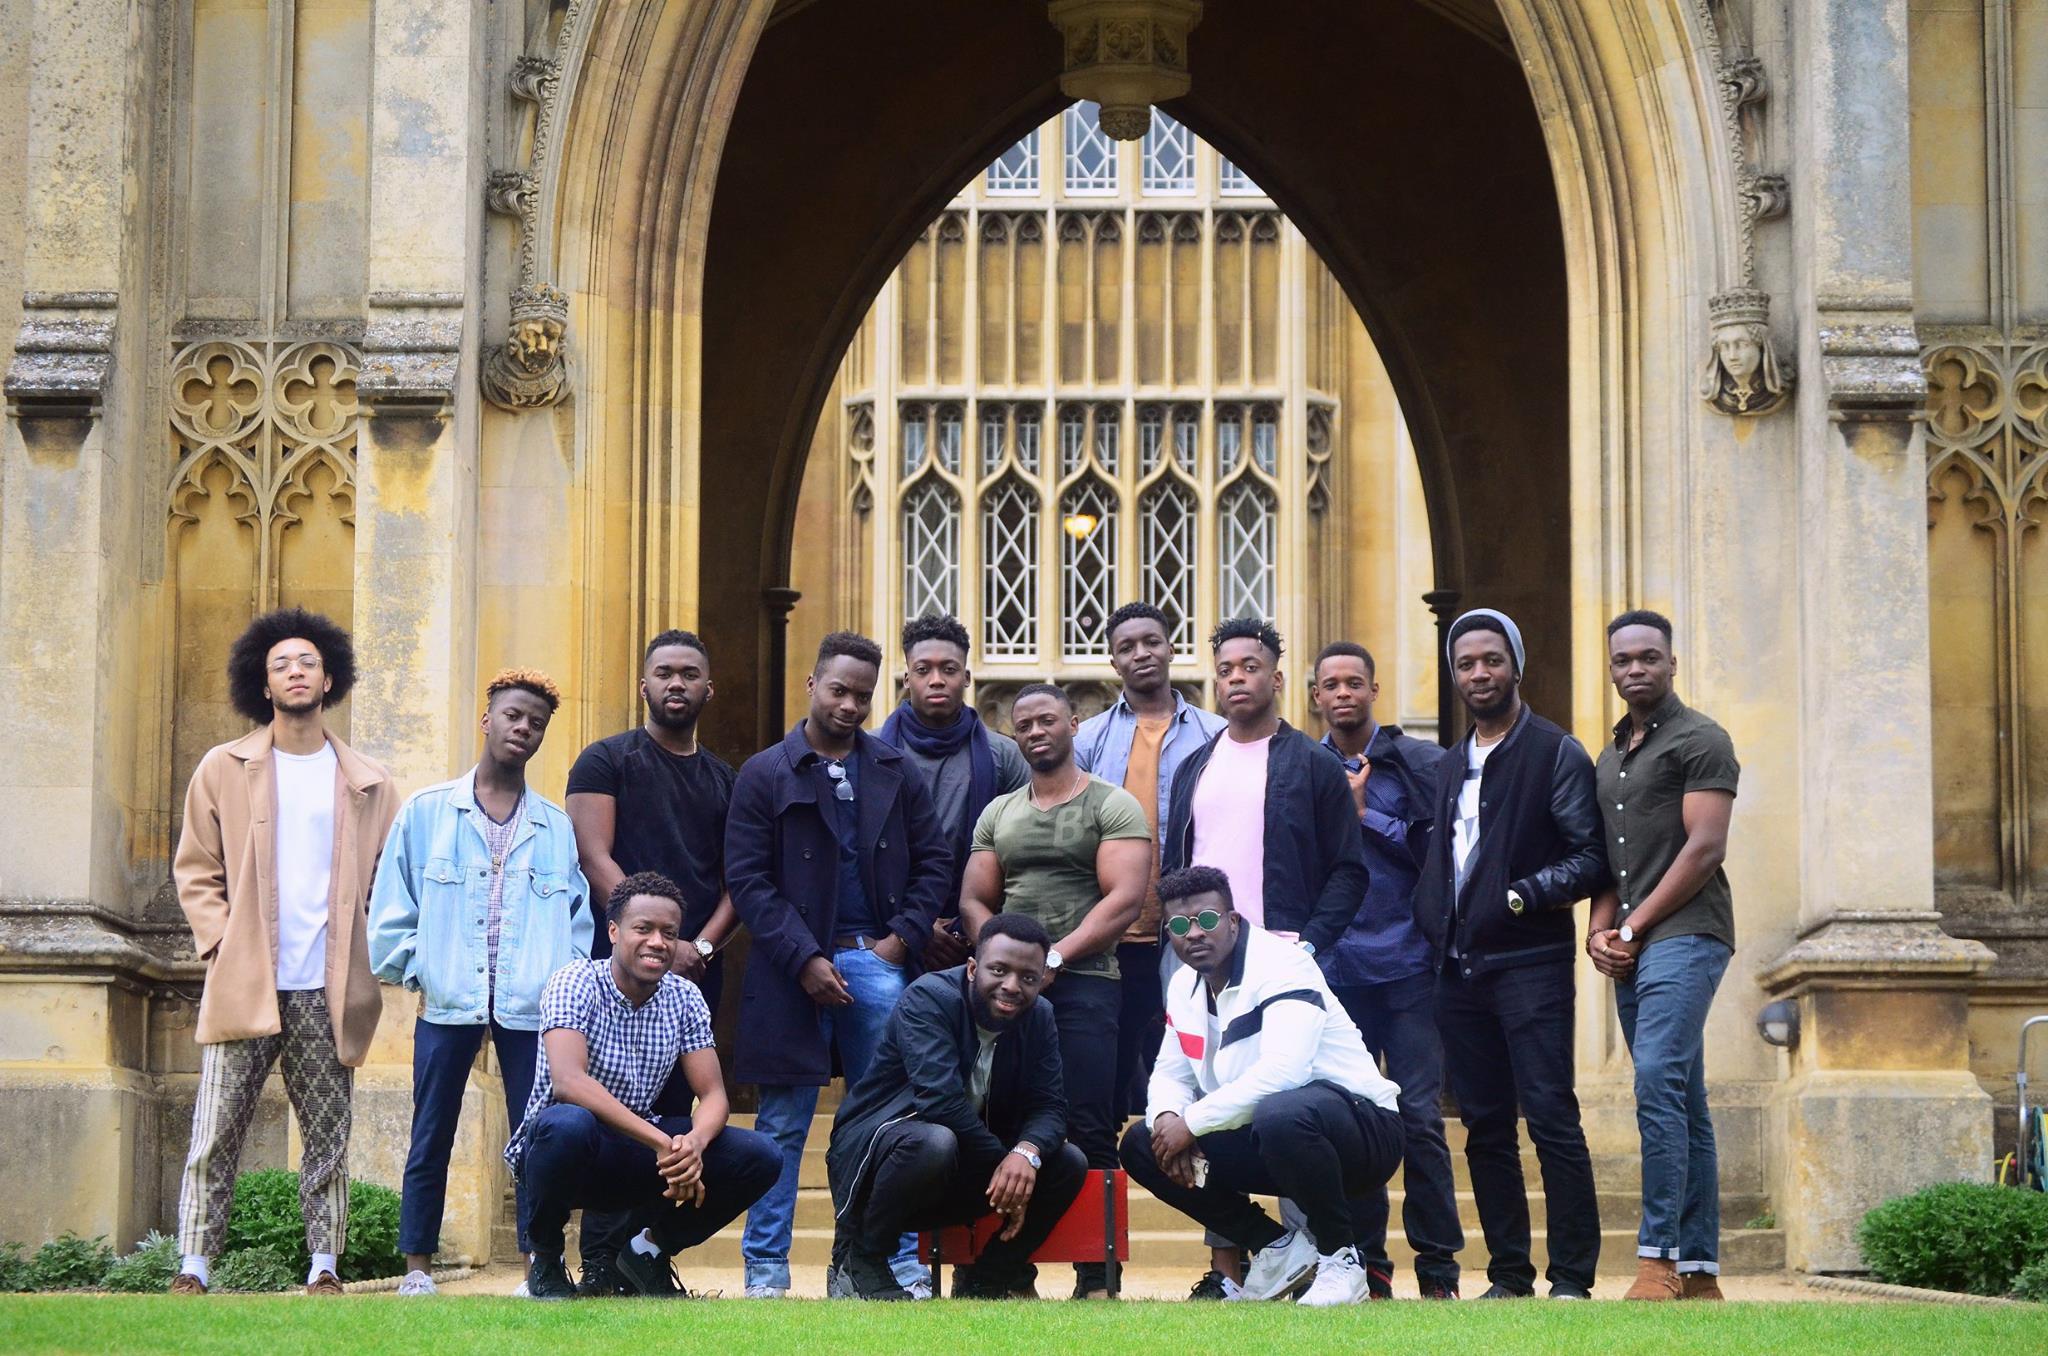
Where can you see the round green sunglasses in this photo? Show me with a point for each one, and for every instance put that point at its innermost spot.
(1208, 919)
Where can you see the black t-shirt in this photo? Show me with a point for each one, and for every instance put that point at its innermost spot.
(670, 817)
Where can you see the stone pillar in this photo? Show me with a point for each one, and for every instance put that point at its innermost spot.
(1880, 1099)
(416, 478)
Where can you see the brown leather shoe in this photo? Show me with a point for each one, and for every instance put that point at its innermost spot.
(185, 1283)
(326, 1283)
(1700, 1285)
(1656, 1279)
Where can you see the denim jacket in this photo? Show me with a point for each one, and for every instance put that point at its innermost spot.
(429, 907)
(1103, 743)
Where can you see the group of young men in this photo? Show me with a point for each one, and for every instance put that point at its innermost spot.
(1269, 950)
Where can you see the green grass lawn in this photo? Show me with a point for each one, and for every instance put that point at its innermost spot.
(507, 1327)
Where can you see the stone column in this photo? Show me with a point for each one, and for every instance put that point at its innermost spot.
(416, 478)
(1880, 1099)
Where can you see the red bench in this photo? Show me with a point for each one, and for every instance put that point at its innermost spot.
(1096, 1228)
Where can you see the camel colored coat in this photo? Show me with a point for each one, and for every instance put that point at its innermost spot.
(227, 886)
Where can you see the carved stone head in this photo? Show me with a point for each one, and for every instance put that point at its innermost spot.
(535, 340)
(1742, 373)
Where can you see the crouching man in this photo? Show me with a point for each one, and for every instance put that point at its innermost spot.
(963, 1112)
(612, 1033)
(1263, 1085)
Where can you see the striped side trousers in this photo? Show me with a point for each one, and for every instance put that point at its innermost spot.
(320, 1087)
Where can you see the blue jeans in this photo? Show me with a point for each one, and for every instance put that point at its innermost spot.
(785, 1117)
(442, 1057)
(1663, 1011)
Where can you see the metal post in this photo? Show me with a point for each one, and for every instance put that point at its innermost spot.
(1111, 1269)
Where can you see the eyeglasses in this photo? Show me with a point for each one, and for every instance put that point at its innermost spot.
(1207, 920)
(842, 789)
(309, 662)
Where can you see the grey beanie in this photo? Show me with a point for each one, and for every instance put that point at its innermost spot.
(1498, 621)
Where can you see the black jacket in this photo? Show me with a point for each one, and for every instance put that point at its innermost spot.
(921, 1070)
(1315, 861)
(1539, 835)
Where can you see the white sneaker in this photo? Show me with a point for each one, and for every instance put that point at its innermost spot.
(767, 1292)
(919, 1290)
(416, 1283)
(1340, 1279)
(1281, 1267)
(522, 1292)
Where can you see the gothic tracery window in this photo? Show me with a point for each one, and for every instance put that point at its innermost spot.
(1090, 152)
(1016, 170)
(1169, 156)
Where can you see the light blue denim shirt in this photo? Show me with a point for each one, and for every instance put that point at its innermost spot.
(429, 907)
(1103, 744)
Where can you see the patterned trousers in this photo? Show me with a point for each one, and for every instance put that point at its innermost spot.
(231, 1076)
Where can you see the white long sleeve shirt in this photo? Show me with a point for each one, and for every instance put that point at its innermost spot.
(1275, 1026)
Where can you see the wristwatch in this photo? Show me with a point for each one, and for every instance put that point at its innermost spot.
(1053, 961)
(1516, 904)
(1028, 1157)
(1307, 945)
(1628, 934)
(706, 949)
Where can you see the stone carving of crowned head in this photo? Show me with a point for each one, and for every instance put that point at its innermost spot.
(1742, 373)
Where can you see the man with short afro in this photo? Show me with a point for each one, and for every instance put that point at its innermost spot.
(279, 845)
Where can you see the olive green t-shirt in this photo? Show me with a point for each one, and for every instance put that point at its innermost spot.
(1048, 856)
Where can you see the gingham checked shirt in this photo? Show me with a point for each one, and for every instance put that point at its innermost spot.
(633, 1050)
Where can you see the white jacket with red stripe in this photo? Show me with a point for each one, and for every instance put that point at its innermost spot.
(1275, 1026)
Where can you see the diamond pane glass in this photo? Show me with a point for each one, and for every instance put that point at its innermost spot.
(949, 438)
(1266, 439)
(1091, 154)
(1166, 546)
(1109, 431)
(1235, 183)
(931, 550)
(914, 432)
(1169, 156)
(1245, 538)
(1087, 569)
(1009, 572)
(1027, 439)
(1016, 170)
(1073, 439)
(991, 438)
(1151, 433)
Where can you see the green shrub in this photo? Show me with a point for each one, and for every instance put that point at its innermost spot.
(71, 1263)
(149, 1269)
(266, 1214)
(15, 1276)
(2032, 1283)
(1966, 1236)
(257, 1270)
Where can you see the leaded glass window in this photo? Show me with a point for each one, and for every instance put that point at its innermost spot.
(1016, 170)
(949, 438)
(1109, 429)
(931, 549)
(1088, 536)
(1166, 552)
(1266, 439)
(915, 433)
(1233, 182)
(1091, 153)
(1245, 543)
(992, 420)
(1187, 437)
(1073, 438)
(1229, 438)
(1169, 156)
(1009, 571)
(1151, 435)
(1027, 439)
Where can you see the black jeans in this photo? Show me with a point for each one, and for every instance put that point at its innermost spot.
(1084, 1008)
(1398, 1021)
(606, 1231)
(574, 1160)
(1141, 1021)
(1316, 1145)
(918, 1177)
(442, 1059)
(1507, 1040)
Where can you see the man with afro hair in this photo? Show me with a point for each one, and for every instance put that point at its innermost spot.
(479, 899)
(281, 833)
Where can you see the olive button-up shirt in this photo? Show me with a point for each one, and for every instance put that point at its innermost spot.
(1642, 799)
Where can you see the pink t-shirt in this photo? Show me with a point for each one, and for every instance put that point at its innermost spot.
(1230, 821)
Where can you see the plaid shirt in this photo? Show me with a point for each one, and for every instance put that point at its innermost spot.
(633, 1050)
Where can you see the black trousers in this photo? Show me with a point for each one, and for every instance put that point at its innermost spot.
(1398, 1021)
(919, 1177)
(1508, 1041)
(1084, 1008)
(1316, 1145)
(574, 1160)
(1140, 1022)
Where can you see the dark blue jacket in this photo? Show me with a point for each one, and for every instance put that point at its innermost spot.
(1383, 944)
(782, 869)
(1315, 865)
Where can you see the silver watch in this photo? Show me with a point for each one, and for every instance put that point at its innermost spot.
(706, 949)
(1628, 934)
(1028, 1157)
(1053, 961)
(1516, 904)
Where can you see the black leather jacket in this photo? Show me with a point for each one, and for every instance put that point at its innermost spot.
(1539, 836)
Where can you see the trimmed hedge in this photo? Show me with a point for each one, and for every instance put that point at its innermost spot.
(1963, 1236)
(266, 1215)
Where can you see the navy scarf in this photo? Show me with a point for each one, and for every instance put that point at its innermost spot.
(905, 731)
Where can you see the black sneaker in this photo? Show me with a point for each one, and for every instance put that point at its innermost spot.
(867, 1275)
(601, 1280)
(1440, 1290)
(1566, 1291)
(976, 1282)
(548, 1279)
(1214, 1285)
(1379, 1283)
(1499, 1291)
(650, 1277)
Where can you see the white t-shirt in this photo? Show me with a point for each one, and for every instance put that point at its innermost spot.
(1465, 833)
(1230, 821)
(305, 861)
